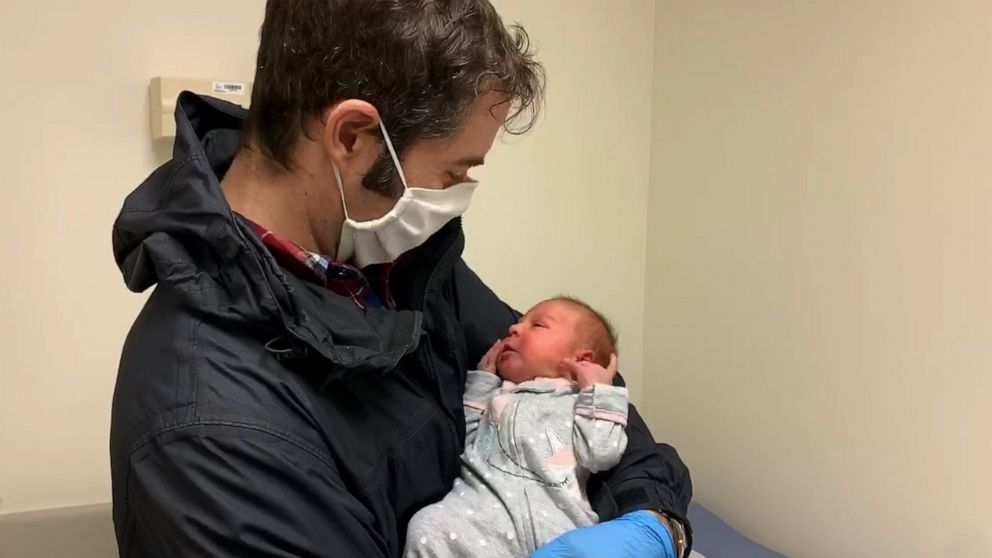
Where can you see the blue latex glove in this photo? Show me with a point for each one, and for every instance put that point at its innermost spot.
(635, 535)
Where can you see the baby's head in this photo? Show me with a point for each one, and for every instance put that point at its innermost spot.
(555, 329)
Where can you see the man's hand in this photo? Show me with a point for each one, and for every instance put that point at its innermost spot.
(488, 362)
(635, 535)
(588, 373)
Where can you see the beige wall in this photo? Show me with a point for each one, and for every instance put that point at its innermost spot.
(561, 210)
(819, 307)
(75, 121)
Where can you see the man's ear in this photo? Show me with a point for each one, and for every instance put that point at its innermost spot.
(585, 355)
(350, 131)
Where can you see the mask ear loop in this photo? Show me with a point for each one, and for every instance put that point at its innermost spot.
(337, 177)
(392, 155)
(392, 152)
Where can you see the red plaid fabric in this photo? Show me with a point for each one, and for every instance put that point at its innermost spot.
(369, 289)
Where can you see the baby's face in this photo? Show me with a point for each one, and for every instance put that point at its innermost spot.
(548, 333)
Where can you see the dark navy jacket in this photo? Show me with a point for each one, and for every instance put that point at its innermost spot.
(257, 414)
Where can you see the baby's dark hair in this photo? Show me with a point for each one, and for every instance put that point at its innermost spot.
(601, 337)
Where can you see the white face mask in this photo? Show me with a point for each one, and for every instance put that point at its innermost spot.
(418, 214)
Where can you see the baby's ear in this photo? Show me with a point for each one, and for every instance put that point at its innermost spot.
(585, 355)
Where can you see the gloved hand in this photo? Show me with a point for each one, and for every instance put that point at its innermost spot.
(635, 535)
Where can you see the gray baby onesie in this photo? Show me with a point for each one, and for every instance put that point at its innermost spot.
(529, 450)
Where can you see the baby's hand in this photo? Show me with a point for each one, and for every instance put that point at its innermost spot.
(488, 362)
(588, 373)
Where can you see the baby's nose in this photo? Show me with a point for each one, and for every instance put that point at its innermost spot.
(514, 329)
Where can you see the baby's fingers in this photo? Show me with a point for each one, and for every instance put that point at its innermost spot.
(488, 361)
(612, 368)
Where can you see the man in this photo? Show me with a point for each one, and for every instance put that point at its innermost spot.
(274, 400)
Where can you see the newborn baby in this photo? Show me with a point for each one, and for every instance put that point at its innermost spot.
(541, 415)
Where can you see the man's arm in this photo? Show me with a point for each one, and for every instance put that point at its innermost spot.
(650, 476)
(237, 491)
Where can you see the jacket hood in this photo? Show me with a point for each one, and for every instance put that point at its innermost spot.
(182, 198)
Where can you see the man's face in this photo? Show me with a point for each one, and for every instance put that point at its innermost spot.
(544, 336)
(440, 163)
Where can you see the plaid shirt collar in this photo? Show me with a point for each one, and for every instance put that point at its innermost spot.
(369, 289)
